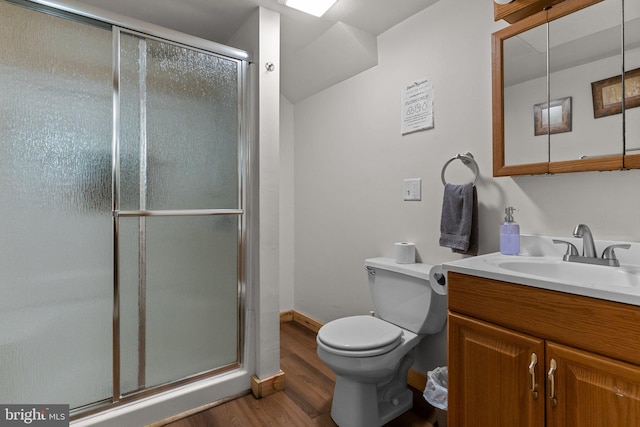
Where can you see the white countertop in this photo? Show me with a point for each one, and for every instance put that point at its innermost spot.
(540, 249)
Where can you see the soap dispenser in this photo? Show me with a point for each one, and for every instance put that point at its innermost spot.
(509, 234)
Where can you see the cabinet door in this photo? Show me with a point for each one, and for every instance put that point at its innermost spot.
(591, 391)
(491, 375)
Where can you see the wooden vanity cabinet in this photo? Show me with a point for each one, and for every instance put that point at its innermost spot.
(587, 353)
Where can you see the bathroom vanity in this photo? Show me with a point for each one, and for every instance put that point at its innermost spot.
(528, 352)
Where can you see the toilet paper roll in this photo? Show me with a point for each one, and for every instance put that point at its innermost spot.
(405, 253)
(438, 280)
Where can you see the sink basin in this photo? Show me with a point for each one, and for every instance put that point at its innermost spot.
(569, 272)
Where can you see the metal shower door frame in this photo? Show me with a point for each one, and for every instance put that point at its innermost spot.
(243, 150)
(119, 24)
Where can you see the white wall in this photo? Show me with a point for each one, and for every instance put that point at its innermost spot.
(286, 205)
(260, 34)
(350, 161)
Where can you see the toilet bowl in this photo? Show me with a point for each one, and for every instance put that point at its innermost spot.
(371, 380)
(372, 355)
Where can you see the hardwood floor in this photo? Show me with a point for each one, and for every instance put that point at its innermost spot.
(306, 400)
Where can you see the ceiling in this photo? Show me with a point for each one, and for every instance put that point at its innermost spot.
(315, 52)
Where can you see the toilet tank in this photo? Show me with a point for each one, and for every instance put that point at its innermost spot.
(403, 296)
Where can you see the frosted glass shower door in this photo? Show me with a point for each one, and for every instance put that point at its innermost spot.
(180, 212)
(56, 282)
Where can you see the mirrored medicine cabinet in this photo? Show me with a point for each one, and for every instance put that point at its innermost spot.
(557, 90)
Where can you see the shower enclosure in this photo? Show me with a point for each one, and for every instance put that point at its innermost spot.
(122, 169)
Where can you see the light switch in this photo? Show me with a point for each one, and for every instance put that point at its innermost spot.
(412, 189)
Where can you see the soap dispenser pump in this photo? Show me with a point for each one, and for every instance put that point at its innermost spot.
(509, 234)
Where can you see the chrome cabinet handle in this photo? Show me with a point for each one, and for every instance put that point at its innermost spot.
(532, 375)
(552, 383)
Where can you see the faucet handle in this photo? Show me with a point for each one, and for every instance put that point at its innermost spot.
(609, 253)
(571, 248)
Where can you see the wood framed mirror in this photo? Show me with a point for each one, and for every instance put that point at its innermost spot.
(543, 105)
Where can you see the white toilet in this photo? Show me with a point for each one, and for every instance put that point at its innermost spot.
(371, 356)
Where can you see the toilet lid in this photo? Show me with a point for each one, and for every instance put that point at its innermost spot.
(359, 333)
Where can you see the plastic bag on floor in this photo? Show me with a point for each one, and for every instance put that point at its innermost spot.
(436, 390)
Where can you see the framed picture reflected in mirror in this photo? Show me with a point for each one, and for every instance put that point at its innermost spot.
(552, 117)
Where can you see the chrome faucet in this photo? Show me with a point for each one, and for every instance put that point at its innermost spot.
(589, 255)
(588, 246)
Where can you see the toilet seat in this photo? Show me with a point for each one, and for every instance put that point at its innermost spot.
(359, 336)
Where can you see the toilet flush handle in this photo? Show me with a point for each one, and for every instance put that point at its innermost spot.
(371, 271)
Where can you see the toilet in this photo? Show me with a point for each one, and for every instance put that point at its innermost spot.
(371, 355)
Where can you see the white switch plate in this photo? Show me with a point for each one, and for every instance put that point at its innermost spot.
(412, 189)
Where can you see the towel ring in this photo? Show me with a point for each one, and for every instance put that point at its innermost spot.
(468, 160)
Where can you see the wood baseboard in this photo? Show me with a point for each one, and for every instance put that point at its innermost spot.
(267, 386)
(415, 379)
(307, 321)
(300, 318)
(286, 316)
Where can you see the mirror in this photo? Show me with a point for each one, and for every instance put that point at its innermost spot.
(585, 59)
(543, 104)
(525, 85)
(632, 83)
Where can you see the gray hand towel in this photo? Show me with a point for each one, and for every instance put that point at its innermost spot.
(459, 222)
